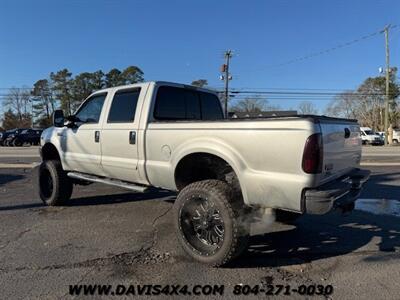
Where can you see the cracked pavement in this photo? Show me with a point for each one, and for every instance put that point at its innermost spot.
(107, 235)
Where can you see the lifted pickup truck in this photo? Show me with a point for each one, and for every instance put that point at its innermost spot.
(227, 171)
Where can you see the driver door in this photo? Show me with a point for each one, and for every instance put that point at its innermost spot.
(81, 143)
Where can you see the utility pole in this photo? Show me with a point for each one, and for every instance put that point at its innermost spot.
(226, 77)
(386, 30)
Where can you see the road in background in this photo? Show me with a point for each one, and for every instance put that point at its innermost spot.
(19, 157)
(380, 154)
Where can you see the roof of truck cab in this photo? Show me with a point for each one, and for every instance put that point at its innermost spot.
(133, 85)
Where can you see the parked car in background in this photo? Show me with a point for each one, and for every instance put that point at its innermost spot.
(370, 137)
(382, 135)
(9, 135)
(4, 135)
(28, 136)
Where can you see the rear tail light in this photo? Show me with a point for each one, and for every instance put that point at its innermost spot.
(313, 154)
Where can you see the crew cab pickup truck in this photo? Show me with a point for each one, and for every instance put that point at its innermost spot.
(227, 172)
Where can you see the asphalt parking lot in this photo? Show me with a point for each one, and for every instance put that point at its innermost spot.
(110, 236)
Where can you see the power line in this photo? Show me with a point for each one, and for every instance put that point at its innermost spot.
(289, 89)
(306, 93)
(325, 51)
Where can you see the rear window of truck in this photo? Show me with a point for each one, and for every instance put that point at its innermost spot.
(174, 103)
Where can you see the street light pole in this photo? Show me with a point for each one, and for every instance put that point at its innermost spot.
(387, 85)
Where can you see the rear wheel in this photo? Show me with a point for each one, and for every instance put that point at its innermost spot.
(395, 141)
(55, 188)
(17, 143)
(209, 222)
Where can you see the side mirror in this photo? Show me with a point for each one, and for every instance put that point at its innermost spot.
(72, 118)
(58, 118)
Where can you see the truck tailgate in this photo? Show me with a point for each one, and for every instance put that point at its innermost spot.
(341, 147)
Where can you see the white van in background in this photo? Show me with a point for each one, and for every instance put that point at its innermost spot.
(396, 136)
(370, 137)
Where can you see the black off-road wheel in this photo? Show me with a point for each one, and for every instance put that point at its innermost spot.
(210, 222)
(54, 186)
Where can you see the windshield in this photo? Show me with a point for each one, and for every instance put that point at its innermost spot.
(369, 132)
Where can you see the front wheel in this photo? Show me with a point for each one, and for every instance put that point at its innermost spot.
(209, 222)
(55, 187)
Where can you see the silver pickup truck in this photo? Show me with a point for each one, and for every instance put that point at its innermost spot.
(227, 171)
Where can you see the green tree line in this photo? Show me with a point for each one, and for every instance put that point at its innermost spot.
(24, 106)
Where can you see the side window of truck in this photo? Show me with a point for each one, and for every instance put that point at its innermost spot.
(210, 107)
(123, 106)
(183, 104)
(176, 104)
(90, 111)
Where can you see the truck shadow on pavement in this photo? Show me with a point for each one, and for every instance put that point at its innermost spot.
(367, 232)
(335, 235)
(380, 186)
(21, 206)
(101, 200)
(121, 198)
(7, 178)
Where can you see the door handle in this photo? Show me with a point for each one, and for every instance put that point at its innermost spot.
(132, 137)
(346, 133)
(97, 136)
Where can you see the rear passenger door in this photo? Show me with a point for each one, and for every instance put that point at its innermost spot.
(120, 135)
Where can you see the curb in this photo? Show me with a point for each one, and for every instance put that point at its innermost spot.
(18, 166)
(382, 164)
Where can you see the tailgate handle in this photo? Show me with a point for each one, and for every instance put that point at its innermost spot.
(346, 133)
